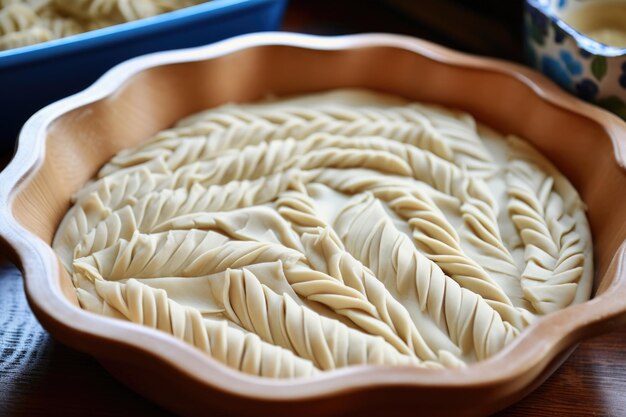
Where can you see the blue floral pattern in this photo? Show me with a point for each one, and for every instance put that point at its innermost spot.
(557, 51)
(553, 69)
(574, 67)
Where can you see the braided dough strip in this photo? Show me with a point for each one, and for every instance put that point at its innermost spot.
(328, 343)
(327, 254)
(470, 321)
(554, 251)
(452, 138)
(105, 215)
(247, 302)
(236, 348)
(436, 237)
(181, 254)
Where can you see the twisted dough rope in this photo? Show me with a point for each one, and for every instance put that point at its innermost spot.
(554, 250)
(328, 343)
(200, 199)
(108, 213)
(436, 237)
(469, 320)
(241, 126)
(246, 302)
(151, 307)
(326, 253)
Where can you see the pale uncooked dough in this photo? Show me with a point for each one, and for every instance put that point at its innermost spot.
(27, 22)
(349, 227)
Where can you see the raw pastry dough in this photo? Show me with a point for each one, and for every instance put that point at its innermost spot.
(27, 22)
(343, 228)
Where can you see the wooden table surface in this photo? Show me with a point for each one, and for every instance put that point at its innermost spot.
(40, 377)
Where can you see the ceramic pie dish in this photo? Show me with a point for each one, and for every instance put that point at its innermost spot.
(63, 145)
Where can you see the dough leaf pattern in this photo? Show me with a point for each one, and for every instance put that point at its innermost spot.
(309, 234)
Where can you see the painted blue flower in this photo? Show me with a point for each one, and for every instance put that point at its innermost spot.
(574, 67)
(562, 3)
(586, 89)
(554, 70)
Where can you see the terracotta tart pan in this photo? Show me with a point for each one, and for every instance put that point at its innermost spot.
(63, 145)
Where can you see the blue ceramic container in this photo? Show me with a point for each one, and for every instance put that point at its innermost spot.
(34, 76)
(589, 69)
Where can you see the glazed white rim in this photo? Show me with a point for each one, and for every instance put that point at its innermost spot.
(521, 360)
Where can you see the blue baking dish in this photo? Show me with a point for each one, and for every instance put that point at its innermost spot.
(34, 76)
